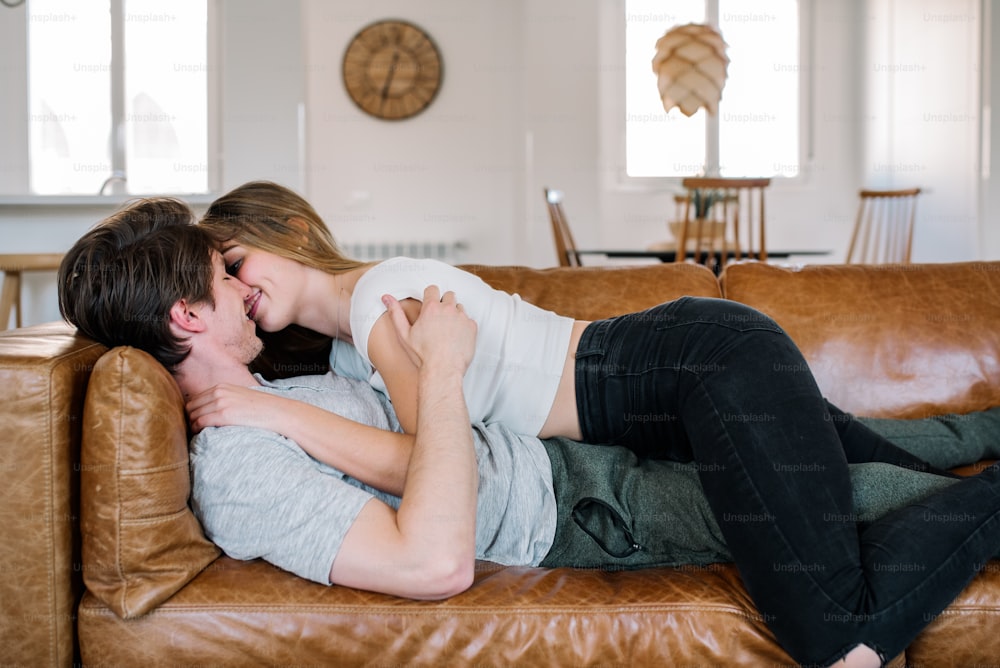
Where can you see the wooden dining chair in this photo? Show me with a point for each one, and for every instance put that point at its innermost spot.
(565, 245)
(726, 216)
(883, 228)
(13, 266)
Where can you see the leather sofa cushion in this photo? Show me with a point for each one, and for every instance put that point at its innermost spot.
(904, 341)
(592, 293)
(141, 542)
(250, 613)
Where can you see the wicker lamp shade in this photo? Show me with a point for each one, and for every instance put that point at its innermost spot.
(690, 66)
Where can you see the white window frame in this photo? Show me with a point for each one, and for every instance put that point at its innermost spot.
(612, 89)
(17, 94)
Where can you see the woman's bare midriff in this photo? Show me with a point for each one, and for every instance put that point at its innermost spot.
(563, 419)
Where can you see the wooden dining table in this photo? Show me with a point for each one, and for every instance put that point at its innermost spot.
(705, 257)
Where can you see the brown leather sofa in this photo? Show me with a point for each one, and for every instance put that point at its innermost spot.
(103, 563)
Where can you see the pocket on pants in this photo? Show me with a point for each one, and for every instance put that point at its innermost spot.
(606, 527)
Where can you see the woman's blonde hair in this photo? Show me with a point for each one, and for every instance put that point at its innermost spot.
(271, 217)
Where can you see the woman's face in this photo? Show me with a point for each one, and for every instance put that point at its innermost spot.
(275, 284)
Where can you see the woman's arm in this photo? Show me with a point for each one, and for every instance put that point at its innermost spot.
(427, 548)
(374, 456)
(393, 363)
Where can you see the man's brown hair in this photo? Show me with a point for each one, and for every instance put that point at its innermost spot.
(118, 283)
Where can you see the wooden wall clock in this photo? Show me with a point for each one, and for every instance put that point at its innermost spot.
(392, 69)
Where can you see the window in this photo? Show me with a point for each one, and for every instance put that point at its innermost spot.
(756, 132)
(118, 97)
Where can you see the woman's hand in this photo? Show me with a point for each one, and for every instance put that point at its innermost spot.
(227, 405)
(398, 349)
(375, 456)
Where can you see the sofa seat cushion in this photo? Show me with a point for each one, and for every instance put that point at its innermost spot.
(250, 613)
(965, 633)
(887, 341)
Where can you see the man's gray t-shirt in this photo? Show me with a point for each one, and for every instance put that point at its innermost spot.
(259, 495)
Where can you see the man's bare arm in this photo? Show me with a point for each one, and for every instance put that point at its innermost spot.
(427, 548)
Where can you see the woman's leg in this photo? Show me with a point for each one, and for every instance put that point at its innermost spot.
(720, 384)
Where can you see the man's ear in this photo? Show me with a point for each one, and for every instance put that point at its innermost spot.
(186, 317)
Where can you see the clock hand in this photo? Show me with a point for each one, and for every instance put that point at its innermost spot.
(388, 79)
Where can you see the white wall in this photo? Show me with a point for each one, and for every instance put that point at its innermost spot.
(528, 100)
(518, 110)
(444, 174)
(989, 212)
(529, 90)
(922, 73)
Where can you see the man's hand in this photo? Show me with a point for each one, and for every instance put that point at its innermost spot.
(442, 334)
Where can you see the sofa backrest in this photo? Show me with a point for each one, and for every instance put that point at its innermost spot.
(904, 341)
(592, 293)
(43, 379)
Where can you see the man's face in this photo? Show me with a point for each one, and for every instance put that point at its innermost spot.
(228, 321)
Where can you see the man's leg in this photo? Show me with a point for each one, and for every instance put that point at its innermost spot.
(617, 511)
(880, 488)
(944, 441)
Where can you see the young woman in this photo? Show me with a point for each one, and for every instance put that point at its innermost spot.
(703, 380)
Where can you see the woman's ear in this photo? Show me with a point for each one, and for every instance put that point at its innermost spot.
(299, 224)
(302, 228)
(185, 316)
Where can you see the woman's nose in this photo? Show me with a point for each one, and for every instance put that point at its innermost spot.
(244, 289)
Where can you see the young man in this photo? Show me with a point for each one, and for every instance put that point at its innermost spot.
(191, 315)
(148, 277)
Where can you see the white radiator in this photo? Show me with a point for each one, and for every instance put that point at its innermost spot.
(445, 251)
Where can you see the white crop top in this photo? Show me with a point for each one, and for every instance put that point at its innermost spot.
(520, 348)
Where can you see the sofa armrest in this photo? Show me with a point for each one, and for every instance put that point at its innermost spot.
(43, 377)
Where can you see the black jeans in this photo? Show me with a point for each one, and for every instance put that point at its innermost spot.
(717, 383)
